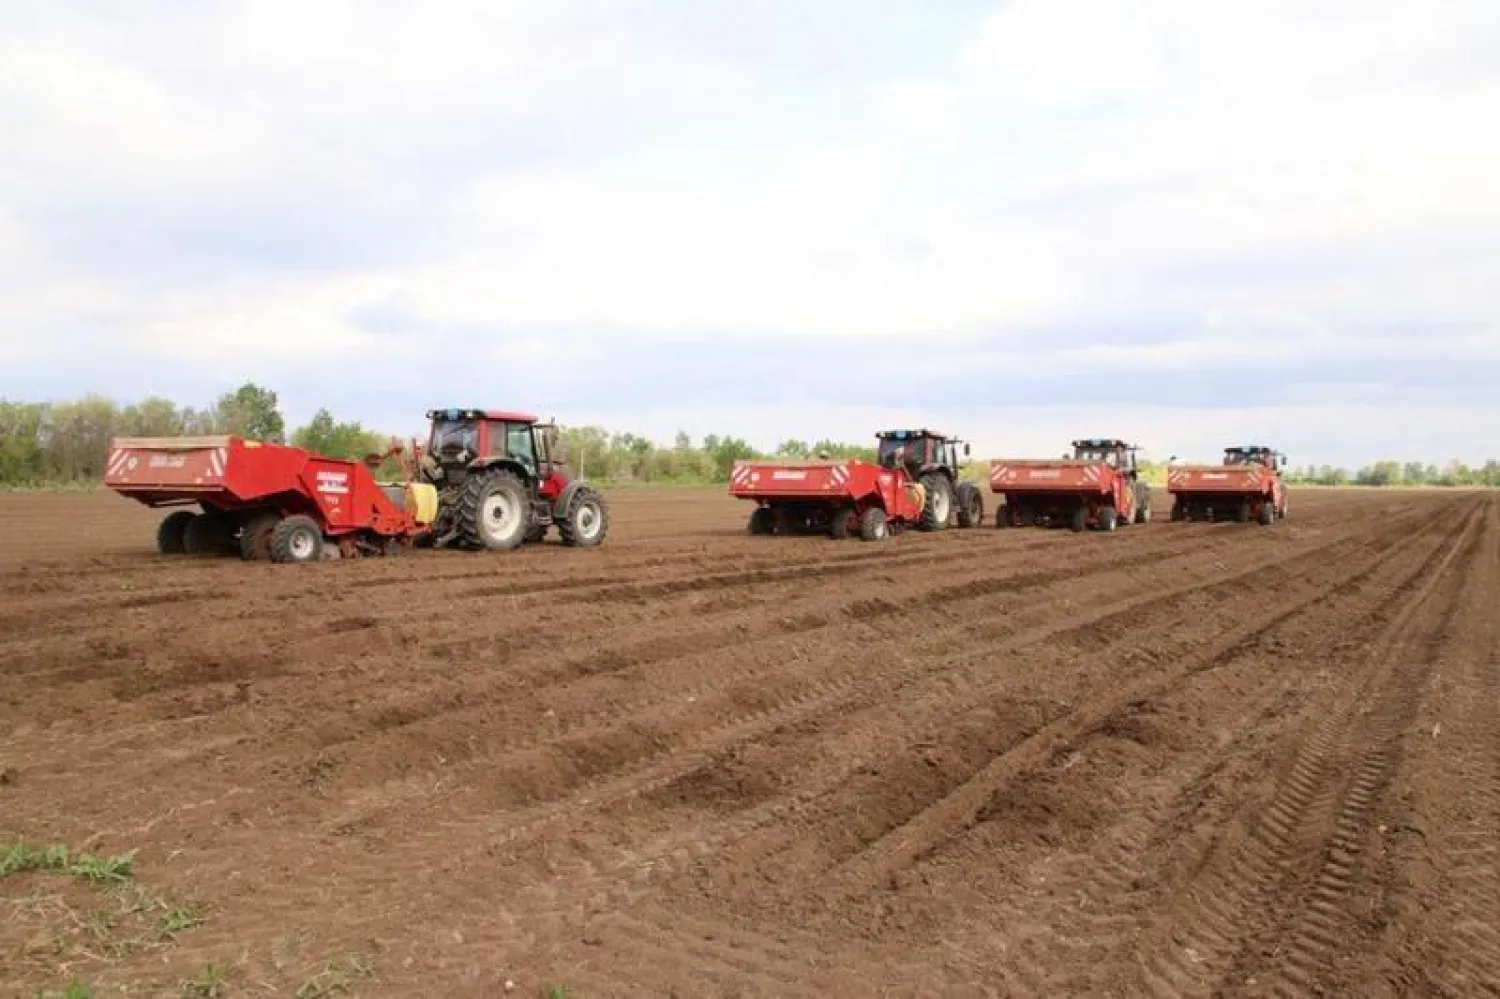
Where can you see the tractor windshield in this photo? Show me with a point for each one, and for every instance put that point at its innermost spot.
(890, 446)
(453, 436)
(1106, 455)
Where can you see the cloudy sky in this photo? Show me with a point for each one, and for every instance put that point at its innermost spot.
(1185, 223)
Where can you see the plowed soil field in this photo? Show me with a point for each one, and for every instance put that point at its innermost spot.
(1176, 760)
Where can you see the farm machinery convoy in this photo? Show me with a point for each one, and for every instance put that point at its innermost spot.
(1246, 485)
(486, 480)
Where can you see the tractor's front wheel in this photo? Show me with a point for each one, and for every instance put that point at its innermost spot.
(970, 505)
(586, 521)
(170, 532)
(494, 511)
(939, 507)
(298, 539)
(873, 525)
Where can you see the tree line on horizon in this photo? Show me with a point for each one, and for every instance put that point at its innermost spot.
(59, 444)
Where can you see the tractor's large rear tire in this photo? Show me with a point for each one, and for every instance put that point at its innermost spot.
(970, 505)
(939, 507)
(298, 540)
(255, 537)
(586, 521)
(169, 533)
(873, 525)
(209, 533)
(494, 511)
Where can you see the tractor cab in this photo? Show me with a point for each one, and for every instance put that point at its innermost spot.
(1117, 454)
(1254, 455)
(920, 451)
(463, 440)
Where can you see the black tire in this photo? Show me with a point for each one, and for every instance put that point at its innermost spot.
(763, 520)
(1179, 512)
(536, 534)
(1108, 519)
(169, 533)
(586, 521)
(209, 533)
(297, 540)
(1267, 513)
(970, 505)
(255, 537)
(1079, 518)
(873, 525)
(938, 509)
(1242, 513)
(1142, 504)
(841, 526)
(494, 511)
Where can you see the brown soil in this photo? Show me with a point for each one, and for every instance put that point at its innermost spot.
(1178, 760)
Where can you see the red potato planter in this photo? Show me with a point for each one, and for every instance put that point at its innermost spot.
(914, 483)
(487, 480)
(1246, 486)
(1099, 487)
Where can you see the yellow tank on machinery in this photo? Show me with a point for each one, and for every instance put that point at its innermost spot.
(422, 501)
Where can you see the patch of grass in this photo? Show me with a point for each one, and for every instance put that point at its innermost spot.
(74, 990)
(210, 983)
(556, 992)
(184, 917)
(337, 977)
(20, 857)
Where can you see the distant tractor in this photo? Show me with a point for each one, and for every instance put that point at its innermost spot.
(914, 482)
(487, 480)
(1246, 485)
(1098, 487)
(501, 482)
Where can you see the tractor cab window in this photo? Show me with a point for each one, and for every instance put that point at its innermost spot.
(519, 443)
(890, 447)
(453, 436)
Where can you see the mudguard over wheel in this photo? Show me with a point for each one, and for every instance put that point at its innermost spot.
(494, 511)
(873, 525)
(297, 539)
(970, 505)
(586, 521)
(939, 507)
(169, 534)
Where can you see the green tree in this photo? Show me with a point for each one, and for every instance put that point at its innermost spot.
(250, 411)
(322, 435)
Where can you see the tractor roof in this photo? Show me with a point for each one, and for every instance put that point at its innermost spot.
(1099, 442)
(482, 414)
(905, 434)
(1250, 448)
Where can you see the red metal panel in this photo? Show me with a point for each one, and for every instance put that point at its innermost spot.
(1220, 479)
(1020, 475)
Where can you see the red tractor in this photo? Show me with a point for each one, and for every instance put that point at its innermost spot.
(1098, 487)
(502, 482)
(1246, 485)
(915, 481)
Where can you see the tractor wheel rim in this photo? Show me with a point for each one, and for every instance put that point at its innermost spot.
(301, 545)
(499, 515)
(588, 520)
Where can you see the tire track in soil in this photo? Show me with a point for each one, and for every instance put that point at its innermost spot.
(1288, 881)
(884, 683)
(1442, 936)
(1096, 894)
